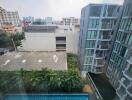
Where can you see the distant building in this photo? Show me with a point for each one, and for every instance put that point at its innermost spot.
(51, 38)
(70, 21)
(10, 17)
(28, 19)
(48, 20)
(9, 20)
(8, 28)
(119, 69)
(97, 21)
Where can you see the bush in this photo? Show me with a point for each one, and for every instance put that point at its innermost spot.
(40, 81)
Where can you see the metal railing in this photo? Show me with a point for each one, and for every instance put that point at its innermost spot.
(98, 95)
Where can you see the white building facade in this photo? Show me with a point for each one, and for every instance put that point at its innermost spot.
(51, 38)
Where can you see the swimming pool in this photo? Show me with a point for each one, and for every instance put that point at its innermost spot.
(46, 97)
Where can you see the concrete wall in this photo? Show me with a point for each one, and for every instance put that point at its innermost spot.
(39, 42)
(47, 41)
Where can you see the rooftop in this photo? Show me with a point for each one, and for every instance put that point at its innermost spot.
(33, 61)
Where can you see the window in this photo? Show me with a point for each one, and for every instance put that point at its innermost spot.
(107, 23)
(129, 25)
(123, 51)
(130, 39)
(95, 11)
(130, 70)
(88, 60)
(89, 52)
(123, 24)
(93, 23)
(125, 38)
(87, 67)
(91, 34)
(104, 35)
(90, 44)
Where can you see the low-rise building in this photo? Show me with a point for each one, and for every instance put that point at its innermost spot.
(51, 38)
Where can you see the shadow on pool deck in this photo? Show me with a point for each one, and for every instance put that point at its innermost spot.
(103, 85)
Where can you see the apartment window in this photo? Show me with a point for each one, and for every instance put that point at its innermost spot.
(125, 38)
(130, 70)
(123, 23)
(88, 60)
(87, 67)
(107, 23)
(128, 97)
(95, 11)
(129, 25)
(104, 35)
(90, 44)
(93, 23)
(130, 39)
(91, 34)
(89, 52)
(123, 51)
(127, 10)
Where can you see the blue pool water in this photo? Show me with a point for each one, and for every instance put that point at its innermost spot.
(46, 97)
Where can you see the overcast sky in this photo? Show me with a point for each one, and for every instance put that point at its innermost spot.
(54, 8)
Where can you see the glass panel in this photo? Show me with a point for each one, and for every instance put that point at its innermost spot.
(90, 44)
(89, 52)
(93, 23)
(95, 11)
(91, 34)
(88, 60)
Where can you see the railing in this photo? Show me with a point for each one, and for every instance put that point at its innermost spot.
(98, 95)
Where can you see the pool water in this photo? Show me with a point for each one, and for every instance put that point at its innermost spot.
(46, 97)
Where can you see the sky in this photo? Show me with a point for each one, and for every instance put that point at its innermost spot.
(50, 8)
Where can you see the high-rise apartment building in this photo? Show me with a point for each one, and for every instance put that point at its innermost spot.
(97, 21)
(9, 17)
(119, 69)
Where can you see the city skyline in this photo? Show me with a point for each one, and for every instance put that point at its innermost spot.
(56, 9)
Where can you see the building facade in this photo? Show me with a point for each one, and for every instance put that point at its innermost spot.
(97, 21)
(70, 21)
(10, 17)
(10, 21)
(119, 69)
(51, 38)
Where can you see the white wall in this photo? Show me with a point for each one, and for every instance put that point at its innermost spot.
(39, 42)
(72, 43)
(47, 41)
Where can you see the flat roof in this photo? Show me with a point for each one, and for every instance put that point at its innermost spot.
(33, 61)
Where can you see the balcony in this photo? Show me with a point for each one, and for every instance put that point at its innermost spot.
(125, 82)
(130, 90)
(128, 72)
(121, 92)
(99, 62)
(99, 70)
(128, 97)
